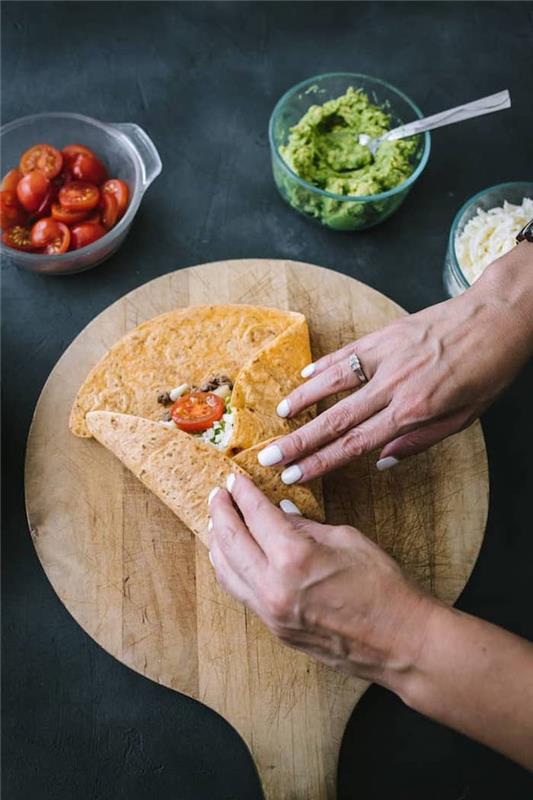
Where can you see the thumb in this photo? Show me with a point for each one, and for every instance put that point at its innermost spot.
(420, 439)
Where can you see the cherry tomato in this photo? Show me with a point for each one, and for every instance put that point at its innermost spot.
(45, 209)
(32, 190)
(68, 217)
(120, 190)
(86, 233)
(18, 237)
(109, 210)
(79, 196)
(65, 176)
(72, 151)
(89, 168)
(197, 411)
(43, 157)
(52, 235)
(10, 211)
(10, 180)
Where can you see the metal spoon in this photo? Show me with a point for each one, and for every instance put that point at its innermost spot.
(486, 105)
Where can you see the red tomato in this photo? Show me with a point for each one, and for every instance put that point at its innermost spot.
(86, 233)
(18, 237)
(32, 190)
(45, 209)
(52, 235)
(79, 196)
(43, 157)
(65, 176)
(68, 217)
(109, 210)
(89, 168)
(197, 411)
(10, 180)
(10, 211)
(120, 191)
(72, 151)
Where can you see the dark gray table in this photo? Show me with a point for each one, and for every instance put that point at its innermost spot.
(202, 79)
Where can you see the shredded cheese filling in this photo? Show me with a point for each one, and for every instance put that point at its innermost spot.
(489, 235)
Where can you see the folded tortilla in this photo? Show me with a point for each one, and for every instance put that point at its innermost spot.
(181, 469)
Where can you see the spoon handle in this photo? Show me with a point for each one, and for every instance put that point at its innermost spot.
(485, 105)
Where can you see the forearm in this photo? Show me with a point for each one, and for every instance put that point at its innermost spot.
(476, 678)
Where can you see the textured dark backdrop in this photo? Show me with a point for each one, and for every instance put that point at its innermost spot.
(202, 79)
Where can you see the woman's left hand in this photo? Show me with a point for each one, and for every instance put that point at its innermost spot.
(327, 590)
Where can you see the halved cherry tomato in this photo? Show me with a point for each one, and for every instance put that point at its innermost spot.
(45, 209)
(197, 411)
(10, 180)
(109, 210)
(86, 233)
(121, 192)
(10, 211)
(18, 237)
(72, 151)
(68, 217)
(51, 235)
(79, 196)
(32, 190)
(43, 157)
(89, 168)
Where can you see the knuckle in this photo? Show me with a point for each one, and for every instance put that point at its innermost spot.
(277, 603)
(338, 420)
(315, 465)
(296, 443)
(354, 443)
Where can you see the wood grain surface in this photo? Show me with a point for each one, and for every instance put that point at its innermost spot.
(139, 583)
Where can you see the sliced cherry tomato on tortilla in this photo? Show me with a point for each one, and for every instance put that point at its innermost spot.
(51, 235)
(42, 157)
(32, 190)
(72, 151)
(11, 212)
(89, 168)
(10, 180)
(79, 196)
(197, 411)
(86, 233)
(61, 214)
(18, 237)
(109, 210)
(121, 193)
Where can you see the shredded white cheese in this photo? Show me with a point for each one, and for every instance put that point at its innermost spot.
(489, 235)
(219, 434)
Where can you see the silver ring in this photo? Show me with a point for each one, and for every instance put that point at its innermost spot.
(355, 366)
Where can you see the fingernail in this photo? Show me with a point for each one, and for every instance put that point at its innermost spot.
(212, 493)
(270, 455)
(308, 371)
(289, 508)
(210, 524)
(291, 475)
(210, 558)
(387, 463)
(230, 480)
(283, 409)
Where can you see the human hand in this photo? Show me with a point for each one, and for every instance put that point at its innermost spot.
(429, 375)
(323, 589)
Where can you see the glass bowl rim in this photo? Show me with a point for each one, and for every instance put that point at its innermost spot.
(91, 249)
(361, 198)
(463, 209)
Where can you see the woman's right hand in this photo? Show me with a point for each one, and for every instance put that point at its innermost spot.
(429, 375)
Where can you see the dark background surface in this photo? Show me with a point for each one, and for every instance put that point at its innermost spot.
(202, 80)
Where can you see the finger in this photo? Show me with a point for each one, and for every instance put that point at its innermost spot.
(343, 353)
(328, 426)
(373, 433)
(226, 576)
(263, 519)
(289, 507)
(337, 378)
(416, 441)
(233, 538)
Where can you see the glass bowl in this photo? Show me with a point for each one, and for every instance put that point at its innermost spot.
(128, 153)
(455, 281)
(341, 212)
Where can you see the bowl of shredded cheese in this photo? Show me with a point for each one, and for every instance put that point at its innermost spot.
(485, 229)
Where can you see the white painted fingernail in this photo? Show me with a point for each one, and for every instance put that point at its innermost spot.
(270, 455)
(210, 524)
(308, 371)
(230, 480)
(387, 463)
(212, 493)
(291, 474)
(283, 409)
(289, 508)
(210, 558)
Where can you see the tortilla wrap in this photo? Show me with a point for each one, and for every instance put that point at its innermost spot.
(181, 469)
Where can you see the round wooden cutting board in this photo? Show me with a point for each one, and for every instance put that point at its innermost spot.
(141, 585)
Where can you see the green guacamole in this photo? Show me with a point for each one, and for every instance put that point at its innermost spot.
(322, 148)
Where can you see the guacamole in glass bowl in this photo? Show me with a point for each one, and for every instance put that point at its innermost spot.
(320, 168)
